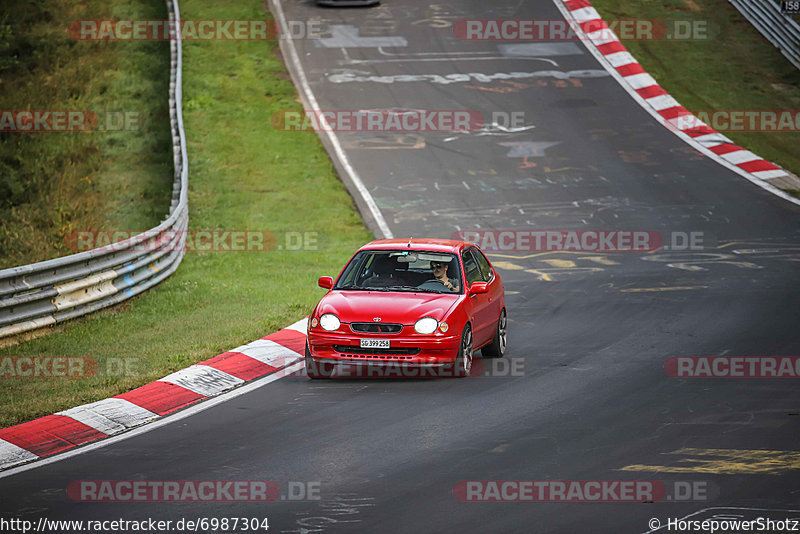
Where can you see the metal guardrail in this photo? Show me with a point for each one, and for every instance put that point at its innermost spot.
(778, 28)
(50, 292)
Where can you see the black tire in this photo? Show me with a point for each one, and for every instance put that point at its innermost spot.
(316, 370)
(463, 363)
(497, 347)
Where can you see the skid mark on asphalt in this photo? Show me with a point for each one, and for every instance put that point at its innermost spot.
(727, 462)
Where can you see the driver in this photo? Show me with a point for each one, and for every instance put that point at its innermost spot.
(440, 274)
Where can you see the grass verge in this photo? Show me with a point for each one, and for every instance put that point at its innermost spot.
(735, 69)
(118, 175)
(243, 175)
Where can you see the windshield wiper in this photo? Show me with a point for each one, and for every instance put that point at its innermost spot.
(360, 288)
(415, 288)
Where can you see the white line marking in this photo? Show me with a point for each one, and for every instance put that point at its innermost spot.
(337, 147)
(768, 175)
(450, 59)
(619, 59)
(585, 13)
(640, 81)
(110, 416)
(299, 326)
(653, 113)
(662, 102)
(203, 379)
(712, 144)
(351, 76)
(740, 156)
(601, 37)
(413, 54)
(10, 455)
(191, 410)
(539, 49)
(267, 351)
(709, 138)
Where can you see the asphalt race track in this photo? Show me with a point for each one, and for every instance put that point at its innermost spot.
(589, 334)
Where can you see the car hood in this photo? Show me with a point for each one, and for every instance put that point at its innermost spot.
(391, 307)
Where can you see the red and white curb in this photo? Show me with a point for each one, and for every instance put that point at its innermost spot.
(66, 430)
(624, 67)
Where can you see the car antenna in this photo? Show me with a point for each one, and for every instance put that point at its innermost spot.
(409, 241)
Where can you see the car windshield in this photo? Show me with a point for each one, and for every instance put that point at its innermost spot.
(403, 271)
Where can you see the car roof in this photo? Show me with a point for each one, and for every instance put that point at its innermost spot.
(418, 243)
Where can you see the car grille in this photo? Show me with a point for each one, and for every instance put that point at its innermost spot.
(373, 357)
(398, 353)
(376, 328)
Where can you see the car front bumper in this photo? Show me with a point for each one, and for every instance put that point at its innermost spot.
(405, 351)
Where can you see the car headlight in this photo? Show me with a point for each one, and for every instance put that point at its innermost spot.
(329, 322)
(426, 325)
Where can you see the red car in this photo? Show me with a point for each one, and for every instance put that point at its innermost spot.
(421, 304)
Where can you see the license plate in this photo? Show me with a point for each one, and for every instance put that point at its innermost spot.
(375, 344)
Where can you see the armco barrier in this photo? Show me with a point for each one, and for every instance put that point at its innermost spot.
(778, 28)
(53, 291)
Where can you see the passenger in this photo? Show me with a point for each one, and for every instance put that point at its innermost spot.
(440, 274)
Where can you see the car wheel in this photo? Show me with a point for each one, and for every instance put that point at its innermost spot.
(463, 364)
(497, 347)
(316, 370)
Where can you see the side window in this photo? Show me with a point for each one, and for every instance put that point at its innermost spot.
(483, 265)
(353, 270)
(472, 272)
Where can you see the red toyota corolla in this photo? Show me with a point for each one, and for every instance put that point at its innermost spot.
(423, 304)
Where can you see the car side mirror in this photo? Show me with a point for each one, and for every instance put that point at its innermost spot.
(325, 282)
(478, 287)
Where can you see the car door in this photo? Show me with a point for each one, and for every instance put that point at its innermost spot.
(481, 312)
(496, 290)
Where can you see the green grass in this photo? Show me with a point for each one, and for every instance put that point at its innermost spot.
(244, 175)
(737, 69)
(52, 183)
